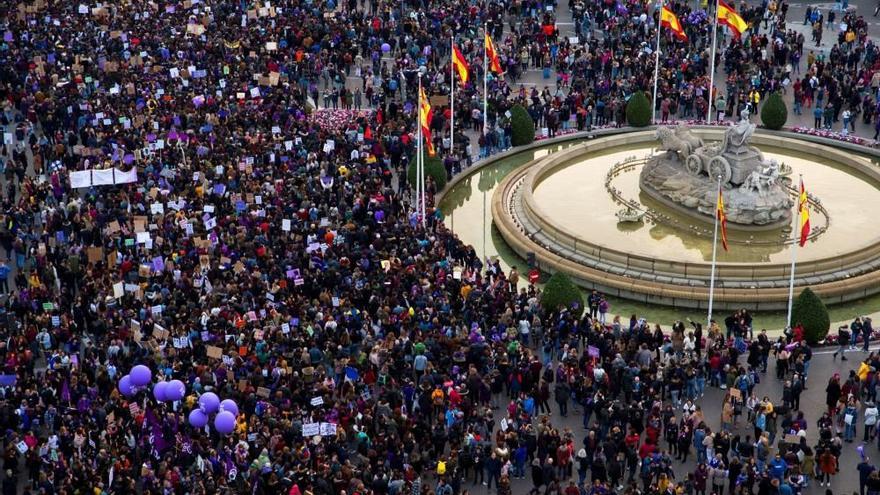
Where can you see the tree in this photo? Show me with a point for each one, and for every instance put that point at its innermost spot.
(522, 126)
(433, 168)
(808, 310)
(774, 114)
(638, 110)
(560, 290)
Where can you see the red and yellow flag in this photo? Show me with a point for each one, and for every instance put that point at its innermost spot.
(492, 55)
(727, 15)
(803, 215)
(460, 64)
(668, 19)
(722, 219)
(426, 115)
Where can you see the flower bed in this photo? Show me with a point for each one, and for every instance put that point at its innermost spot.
(334, 120)
(839, 136)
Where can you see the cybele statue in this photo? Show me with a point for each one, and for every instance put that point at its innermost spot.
(686, 177)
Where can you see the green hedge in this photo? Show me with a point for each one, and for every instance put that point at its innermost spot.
(809, 311)
(638, 110)
(774, 113)
(560, 290)
(433, 168)
(522, 126)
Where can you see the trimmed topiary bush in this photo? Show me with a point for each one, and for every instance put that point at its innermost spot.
(522, 126)
(560, 290)
(774, 113)
(809, 311)
(433, 168)
(638, 110)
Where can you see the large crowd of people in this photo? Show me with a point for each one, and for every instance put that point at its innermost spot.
(215, 190)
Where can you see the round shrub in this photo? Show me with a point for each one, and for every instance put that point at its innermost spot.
(561, 291)
(638, 110)
(809, 311)
(774, 114)
(522, 126)
(433, 168)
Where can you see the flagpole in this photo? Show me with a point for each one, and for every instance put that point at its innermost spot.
(794, 250)
(419, 150)
(452, 95)
(485, 81)
(657, 63)
(714, 254)
(421, 179)
(424, 192)
(712, 70)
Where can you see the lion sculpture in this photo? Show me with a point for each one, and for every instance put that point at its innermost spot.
(677, 139)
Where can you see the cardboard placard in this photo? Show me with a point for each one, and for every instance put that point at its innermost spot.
(215, 352)
(95, 254)
(195, 29)
(439, 101)
(263, 392)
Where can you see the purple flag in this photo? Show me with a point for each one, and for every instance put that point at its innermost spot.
(155, 436)
(65, 391)
(231, 470)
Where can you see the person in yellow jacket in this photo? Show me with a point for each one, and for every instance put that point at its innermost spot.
(241, 425)
(754, 99)
(864, 369)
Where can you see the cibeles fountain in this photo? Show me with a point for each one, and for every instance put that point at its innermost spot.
(631, 212)
(686, 174)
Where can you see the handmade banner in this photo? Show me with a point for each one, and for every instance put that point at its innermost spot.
(103, 177)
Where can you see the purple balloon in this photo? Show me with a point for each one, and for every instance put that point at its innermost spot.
(159, 390)
(175, 390)
(141, 375)
(197, 418)
(125, 386)
(386, 48)
(224, 422)
(229, 405)
(209, 402)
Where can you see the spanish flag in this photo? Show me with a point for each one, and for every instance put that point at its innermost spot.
(803, 215)
(668, 19)
(492, 55)
(460, 64)
(728, 16)
(722, 218)
(425, 117)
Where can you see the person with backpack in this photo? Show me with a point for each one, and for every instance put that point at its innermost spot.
(827, 467)
(562, 393)
(843, 337)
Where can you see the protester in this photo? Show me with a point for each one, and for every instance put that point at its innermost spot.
(218, 191)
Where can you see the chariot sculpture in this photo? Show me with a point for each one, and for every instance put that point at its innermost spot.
(687, 175)
(732, 159)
